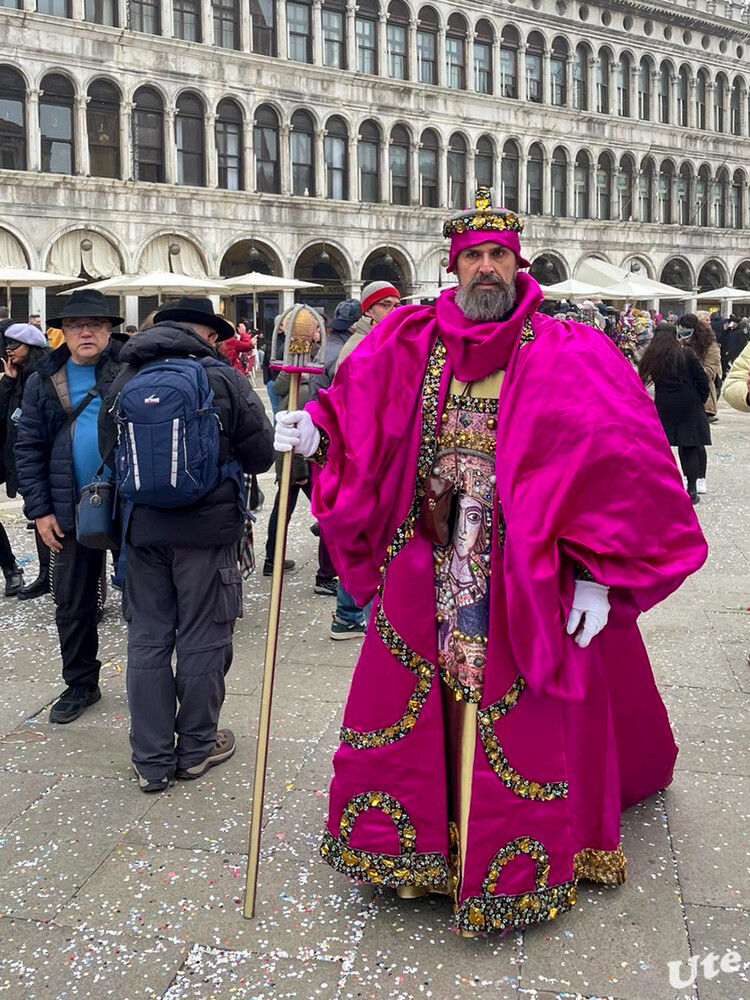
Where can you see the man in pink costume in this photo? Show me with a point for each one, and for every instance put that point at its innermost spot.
(500, 482)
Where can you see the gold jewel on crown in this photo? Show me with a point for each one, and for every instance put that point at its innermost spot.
(483, 217)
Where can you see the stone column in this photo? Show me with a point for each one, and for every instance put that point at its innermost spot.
(653, 97)
(207, 22)
(569, 82)
(672, 196)
(211, 151)
(441, 60)
(570, 194)
(591, 92)
(592, 209)
(170, 145)
(496, 73)
(415, 194)
(29, 6)
(471, 173)
(520, 71)
(547, 191)
(442, 190)
(77, 10)
(248, 157)
(131, 310)
(122, 14)
(282, 36)
(635, 209)
(317, 32)
(522, 185)
(167, 19)
(246, 27)
(382, 40)
(692, 110)
(355, 194)
(33, 132)
(126, 140)
(351, 35)
(710, 89)
(614, 72)
(633, 92)
(384, 168)
(725, 105)
(673, 94)
(319, 159)
(469, 50)
(545, 77)
(614, 201)
(81, 155)
(285, 160)
(413, 73)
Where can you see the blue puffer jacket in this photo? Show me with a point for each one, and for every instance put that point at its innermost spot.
(44, 454)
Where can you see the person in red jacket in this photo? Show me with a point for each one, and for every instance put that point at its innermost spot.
(239, 350)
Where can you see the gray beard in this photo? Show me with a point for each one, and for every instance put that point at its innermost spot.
(486, 305)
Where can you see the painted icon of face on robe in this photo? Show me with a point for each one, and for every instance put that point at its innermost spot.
(466, 457)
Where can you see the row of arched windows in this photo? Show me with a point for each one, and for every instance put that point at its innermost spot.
(370, 166)
(387, 40)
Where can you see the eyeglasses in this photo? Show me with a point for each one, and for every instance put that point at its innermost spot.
(12, 345)
(78, 325)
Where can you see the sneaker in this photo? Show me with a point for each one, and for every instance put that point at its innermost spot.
(328, 588)
(155, 784)
(347, 630)
(37, 588)
(13, 580)
(223, 749)
(700, 487)
(289, 565)
(72, 703)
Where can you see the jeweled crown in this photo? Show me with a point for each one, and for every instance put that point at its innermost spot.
(484, 216)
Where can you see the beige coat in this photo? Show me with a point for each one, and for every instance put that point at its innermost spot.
(735, 386)
(712, 367)
(361, 328)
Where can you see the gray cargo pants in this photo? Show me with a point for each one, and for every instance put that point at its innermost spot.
(185, 600)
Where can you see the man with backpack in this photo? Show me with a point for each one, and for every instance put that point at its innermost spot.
(184, 428)
(56, 455)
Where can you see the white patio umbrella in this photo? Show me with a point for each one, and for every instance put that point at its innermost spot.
(159, 283)
(572, 289)
(634, 288)
(725, 294)
(22, 277)
(254, 283)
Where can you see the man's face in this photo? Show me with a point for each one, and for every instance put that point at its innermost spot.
(486, 276)
(86, 338)
(36, 320)
(381, 309)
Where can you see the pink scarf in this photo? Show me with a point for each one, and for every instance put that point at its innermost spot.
(476, 350)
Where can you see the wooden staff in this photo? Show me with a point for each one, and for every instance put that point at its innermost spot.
(301, 323)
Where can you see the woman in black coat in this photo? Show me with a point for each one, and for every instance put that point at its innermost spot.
(681, 389)
(23, 356)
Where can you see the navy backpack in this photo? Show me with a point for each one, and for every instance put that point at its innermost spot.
(167, 452)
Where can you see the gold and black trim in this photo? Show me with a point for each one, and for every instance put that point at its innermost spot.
(525, 788)
(470, 404)
(489, 912)
(320, 455)
(527, 336)
(414, 663)
(429, 871)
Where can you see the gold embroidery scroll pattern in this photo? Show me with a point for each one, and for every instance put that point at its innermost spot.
(490, 912)
(407, 868)
(523, 787)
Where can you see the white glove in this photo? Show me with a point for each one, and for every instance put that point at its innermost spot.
(296, 432)
(590, 606)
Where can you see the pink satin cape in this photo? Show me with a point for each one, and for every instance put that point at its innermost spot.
(584, 475)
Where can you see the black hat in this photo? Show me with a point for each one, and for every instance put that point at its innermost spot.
(85, 304)
(196, 310)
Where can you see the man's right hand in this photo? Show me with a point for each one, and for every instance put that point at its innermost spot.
(50, 532)
(296, 432)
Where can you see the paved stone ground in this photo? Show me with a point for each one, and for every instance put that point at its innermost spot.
(106, 892)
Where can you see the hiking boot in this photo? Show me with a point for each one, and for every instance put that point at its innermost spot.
(155, 784)
(13, 580)
(347, 630)
(37, 588)
(289, 565)
(72, 703)
(223, 749)
(328, 588)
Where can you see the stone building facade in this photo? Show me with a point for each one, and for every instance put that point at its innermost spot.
(325, 139)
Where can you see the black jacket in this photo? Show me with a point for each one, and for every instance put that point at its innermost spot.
(679, 395)
(11, 396)
(246, 435)
(43, 451)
